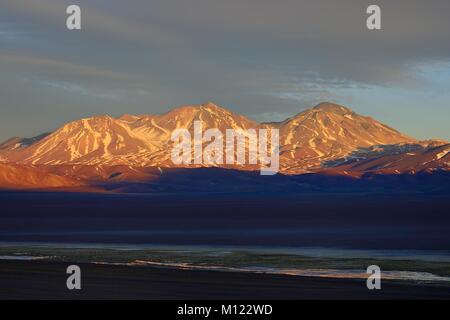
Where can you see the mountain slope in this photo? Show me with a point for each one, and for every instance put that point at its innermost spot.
(94, 140)
(18, 143)
(26, 177)
(323, 138)
(128, 140)
(410, 159)
(329, 131)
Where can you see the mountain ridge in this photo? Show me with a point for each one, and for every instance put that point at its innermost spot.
(326, 138)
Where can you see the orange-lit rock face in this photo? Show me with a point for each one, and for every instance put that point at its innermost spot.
(326, 136)
(327, 132)
(27, 177)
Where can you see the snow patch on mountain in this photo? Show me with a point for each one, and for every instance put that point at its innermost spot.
(324, 136)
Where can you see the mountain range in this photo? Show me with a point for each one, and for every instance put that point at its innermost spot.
(99, 151)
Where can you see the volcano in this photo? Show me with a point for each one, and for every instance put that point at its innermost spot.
(327, 138)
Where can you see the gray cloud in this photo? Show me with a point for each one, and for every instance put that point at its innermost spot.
(262, 58)
(55, 67)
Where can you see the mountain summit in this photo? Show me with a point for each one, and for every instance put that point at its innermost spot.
(330, 131)
(128, 140)
(323, 137)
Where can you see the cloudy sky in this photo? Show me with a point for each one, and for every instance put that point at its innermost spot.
(265, 59)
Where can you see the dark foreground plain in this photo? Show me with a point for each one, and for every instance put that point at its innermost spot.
(358, 220)
(47, 280)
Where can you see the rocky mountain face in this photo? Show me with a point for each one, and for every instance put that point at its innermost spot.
(326, 138)
(16, 143)
(140, 141)
(29, 177)
(327, 132)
